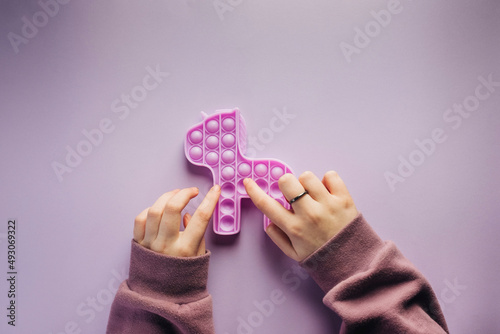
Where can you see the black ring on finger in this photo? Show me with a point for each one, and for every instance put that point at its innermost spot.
(296, 198)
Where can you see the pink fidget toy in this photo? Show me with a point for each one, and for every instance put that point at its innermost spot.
(219, 143)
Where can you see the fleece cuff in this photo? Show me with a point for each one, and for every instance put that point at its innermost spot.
(348, 252)
(178, 278)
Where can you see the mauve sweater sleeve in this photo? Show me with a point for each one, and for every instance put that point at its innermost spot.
(163, 294)
(372, 286)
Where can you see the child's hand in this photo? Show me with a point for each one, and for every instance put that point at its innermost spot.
(158, 227)
(314, 219)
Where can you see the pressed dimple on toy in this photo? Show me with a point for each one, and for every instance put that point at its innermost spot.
(218, 143)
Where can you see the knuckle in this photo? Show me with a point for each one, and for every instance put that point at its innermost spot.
(141, 217)
(154, 213)
(306, 175)
(260, 202)
(332, 207)
(296, 229)
(342, 203)
(139, 221)
(145, 243)
(172, 207)
(312, 215)
(285, 178)
(331, 174)
(172, 192)
(184, 251)
(204, 215)
(264, 205)
(157, 246)
(347, 202)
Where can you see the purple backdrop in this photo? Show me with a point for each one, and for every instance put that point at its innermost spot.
(401, 98)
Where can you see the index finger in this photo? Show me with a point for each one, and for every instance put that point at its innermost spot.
(198, 223)
(270, 207)
(154, 217)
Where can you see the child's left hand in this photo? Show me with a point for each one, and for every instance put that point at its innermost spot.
(158, 227)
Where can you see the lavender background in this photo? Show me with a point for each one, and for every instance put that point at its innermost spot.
(264, 57)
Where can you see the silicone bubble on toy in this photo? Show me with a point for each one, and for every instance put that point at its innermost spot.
(219, 143)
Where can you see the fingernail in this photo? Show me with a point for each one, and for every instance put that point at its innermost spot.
(216, 188)
(245, 181)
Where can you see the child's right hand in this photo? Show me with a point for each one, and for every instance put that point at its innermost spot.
(314, 219)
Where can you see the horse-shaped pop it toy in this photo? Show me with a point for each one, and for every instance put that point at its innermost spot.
(219, 143)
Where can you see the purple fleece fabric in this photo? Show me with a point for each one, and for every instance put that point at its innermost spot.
(163, 294)
(372, 286)
(367, 281)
